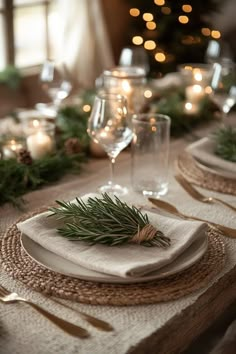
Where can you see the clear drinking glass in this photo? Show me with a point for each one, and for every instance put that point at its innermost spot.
(150, 154)
(54, 83)
(224, 86)
(109, 126)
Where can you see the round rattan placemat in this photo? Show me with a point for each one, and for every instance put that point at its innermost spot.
(23, 268)
(186, 165)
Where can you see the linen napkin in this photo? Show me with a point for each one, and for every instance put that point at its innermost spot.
(128, 260)
(203, 150)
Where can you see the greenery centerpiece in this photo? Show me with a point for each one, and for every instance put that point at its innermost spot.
(107, 221)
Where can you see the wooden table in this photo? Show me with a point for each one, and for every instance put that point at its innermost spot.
(159, 328)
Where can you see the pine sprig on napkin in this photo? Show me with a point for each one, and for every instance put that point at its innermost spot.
(107, 221)
(225, 139)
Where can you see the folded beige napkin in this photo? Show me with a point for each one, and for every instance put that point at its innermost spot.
(123, 261)
(203, 150)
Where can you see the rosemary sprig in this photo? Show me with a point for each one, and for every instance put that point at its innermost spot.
(107, 221)
(225, 139)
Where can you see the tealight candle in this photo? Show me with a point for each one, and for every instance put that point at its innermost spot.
(11, 148)
(39, 144)
(194, 93)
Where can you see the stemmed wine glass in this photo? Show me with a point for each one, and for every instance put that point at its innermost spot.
(109, 126)
(54, 82)
(134, 56)
(224, 86)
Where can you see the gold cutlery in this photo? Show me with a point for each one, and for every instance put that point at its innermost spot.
(227, 231)
(96, 322)
(197, 195)
(68, 327)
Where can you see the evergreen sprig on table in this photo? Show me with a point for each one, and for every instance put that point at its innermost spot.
(107, 221)
(18, 178)
(225, 139)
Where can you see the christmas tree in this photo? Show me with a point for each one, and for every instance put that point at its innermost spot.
(172, 31)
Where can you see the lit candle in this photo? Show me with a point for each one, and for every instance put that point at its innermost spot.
(197, 75)
(191, 108)
(194, 93)
(11, 148)
(39, 144)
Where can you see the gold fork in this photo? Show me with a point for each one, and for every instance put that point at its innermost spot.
(197, 195)
(10, 297)
(94, 321)
(227, 231)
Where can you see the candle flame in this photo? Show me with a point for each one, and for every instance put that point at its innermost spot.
(197, 88)
(126, 86)
(188, 106)
(35, 123)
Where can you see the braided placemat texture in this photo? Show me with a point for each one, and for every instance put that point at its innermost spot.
(20, 266)
(186, 165)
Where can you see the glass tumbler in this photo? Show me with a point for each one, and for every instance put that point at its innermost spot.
(150, 154)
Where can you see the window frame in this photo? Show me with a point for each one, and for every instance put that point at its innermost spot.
(8, 17)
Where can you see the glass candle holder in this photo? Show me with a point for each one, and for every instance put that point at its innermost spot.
(127, 81)
(40, 137)
(196, 74)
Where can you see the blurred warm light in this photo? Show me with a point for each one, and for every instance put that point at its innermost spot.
(197, 88)
(183, 19)
(35, 123)
(166, 10)
(151, 25)
(154, 129)
(149, 45)
(137, 40)
(187, 8)
(152, 120)
(197, 75)
(160, 57)
(126, 86)
(159, 2)
(188, 67)
(147, 16)
(215, 34)
(147, 93)
(86, 108)
(188, 106)
(208, 90)
(206, 31)
(134, 12)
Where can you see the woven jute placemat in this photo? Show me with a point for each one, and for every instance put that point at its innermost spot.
(23, 268)
(186, 165)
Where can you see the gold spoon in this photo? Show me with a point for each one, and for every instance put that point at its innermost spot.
(197, 195)
(227, 231)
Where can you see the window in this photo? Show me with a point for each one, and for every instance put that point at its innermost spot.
(28, 32)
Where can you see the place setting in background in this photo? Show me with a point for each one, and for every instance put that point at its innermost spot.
(210, 161)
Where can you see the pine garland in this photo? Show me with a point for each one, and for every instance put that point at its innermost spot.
(107, 221)
(19, 178)
(172, 103)
(225, 139)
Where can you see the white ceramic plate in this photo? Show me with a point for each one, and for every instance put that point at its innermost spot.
(214, 170)
(60, 265)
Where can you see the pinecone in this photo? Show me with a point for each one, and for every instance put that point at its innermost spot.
(24, 157)
(72, 146)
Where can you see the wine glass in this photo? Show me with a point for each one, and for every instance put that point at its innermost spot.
(223, 86)
(134, 56)
(109, 126)
(54, 82)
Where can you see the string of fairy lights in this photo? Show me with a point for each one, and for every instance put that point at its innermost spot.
(184, 18)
